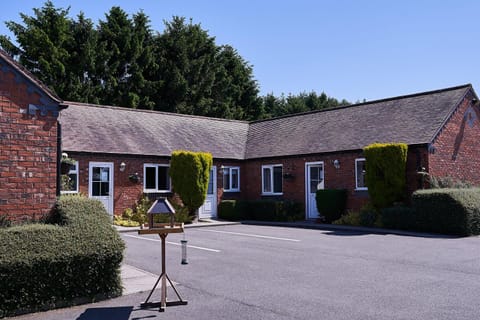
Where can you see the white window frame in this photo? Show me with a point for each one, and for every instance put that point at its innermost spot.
(229, 187)
(356, 174)
(74, 171)
(271, 193)
(156, 166)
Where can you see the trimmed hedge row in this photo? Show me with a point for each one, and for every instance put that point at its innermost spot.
(77, 259)
(448, 211)
(260, 210)
(331, 203)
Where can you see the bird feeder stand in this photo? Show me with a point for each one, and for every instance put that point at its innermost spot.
(162, 206)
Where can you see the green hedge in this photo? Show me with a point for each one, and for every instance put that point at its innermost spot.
(190, 173)
(77, 259)
(260, 210)
(331, 203)
(448, 211)
(399, 217)
(385, 173)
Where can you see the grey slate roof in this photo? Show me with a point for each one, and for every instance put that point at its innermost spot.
(412, 119)
(105, 129)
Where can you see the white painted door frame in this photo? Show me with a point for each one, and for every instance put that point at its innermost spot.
(311, 207)
(108, 199)
(209, 207)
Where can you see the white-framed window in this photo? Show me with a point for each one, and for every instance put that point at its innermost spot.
(156, 178)
(231, 179)
(360, 170)
(272, 179)
(69, 181)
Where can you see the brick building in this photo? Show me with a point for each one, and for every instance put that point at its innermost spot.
(124, 153)
(29, 138)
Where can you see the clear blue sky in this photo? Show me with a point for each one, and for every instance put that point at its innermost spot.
(349, 49)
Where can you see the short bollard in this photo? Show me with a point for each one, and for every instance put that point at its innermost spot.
(184, 251)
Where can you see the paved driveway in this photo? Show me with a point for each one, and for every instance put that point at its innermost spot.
(258, 272)
(253, 272)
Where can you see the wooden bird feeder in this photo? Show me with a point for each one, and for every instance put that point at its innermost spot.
(162, 206)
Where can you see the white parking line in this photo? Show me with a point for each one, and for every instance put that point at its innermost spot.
(172, 243)
(251, 235)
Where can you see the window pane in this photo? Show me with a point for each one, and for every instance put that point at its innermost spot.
(226, 179)
(96, 174)
(163, 178)
(104, 188)
(277, 179)
(210, 183)
(95, 189)
(267, 182)
(150, 178)
(360, 173)
(235, 178)
(72, 182)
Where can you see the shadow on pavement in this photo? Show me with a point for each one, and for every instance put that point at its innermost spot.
(349, 233)
(114, 313)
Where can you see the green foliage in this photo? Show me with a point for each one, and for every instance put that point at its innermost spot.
(126, 219)
(122, 61)
(366, 217)
(399, 217)
(227, 210)
(331, 203)
(181, 215)
(141, 209)
(190, 172)
(448, 211)
(260, 210)
(303, 102)
(43, 266)
(5, 221)
(447, 182)
(385, 173)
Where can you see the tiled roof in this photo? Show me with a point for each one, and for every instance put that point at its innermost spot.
(412, 119)
(27, 74)
(105, 129)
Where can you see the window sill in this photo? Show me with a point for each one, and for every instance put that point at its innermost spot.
(157, 191)
(272, 194)
(231, 191)
(68, 192)
(361, 189)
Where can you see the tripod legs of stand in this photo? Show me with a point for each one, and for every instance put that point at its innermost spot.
(163, 278)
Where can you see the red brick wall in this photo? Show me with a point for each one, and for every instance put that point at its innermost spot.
(294, 188)
(457, 148)
(127, 192)
(28, 153)
(342, 178)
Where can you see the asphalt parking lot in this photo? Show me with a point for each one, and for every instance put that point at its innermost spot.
(260, 272)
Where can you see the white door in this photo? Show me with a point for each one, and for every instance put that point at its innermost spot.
(314, 181)
(209, 207)
(100, 184)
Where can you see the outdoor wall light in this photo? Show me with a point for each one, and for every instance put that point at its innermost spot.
(122, 166)
(336, 164)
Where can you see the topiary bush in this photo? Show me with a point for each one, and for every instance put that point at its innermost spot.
(448, 211)
(331, 203)
(385, 173)
(73, 258)
(190, 172)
